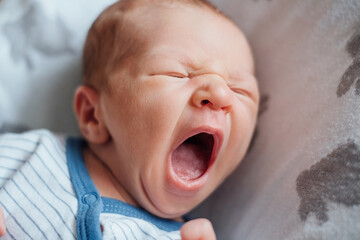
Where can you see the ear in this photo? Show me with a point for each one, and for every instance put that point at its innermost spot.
(87, 110)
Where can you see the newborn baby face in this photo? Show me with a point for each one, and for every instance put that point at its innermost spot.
(183, 112)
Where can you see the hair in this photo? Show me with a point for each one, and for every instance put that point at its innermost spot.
(112, 38)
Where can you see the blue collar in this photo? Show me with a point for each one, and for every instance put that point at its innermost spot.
(91, 204)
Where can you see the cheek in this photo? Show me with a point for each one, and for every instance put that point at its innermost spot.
(240, 134)
(156, 117)
(163, 108)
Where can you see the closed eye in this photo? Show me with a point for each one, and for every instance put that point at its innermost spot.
(171, 74)
(176, 75)
(240, 91)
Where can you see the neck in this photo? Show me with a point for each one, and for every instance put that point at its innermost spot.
(104, 180)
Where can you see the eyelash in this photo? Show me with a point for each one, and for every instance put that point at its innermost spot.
(240, 91)
(177, 75)
(181, 75)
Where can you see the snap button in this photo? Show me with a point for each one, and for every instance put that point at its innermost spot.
(90, 198)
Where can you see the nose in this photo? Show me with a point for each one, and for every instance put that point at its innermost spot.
(214, 93)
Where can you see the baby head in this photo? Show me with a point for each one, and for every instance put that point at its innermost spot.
(169, 103)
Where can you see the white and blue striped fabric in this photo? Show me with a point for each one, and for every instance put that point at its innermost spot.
(132, 228)
(47, 193)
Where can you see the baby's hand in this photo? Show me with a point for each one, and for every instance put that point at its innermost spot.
(2, 223)
(198, 229)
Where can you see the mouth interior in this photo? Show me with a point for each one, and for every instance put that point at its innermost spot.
(190, 159)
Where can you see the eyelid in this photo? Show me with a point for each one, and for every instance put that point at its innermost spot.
(240, 91)
(247, 93)
(177, 75)
(171, 74)
(244, 84)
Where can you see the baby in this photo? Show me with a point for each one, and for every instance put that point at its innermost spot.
(167, 111)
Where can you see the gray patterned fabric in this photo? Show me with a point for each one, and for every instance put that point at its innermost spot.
(301, 178)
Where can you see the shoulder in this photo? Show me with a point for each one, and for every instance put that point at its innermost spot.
(33, 135)
(37, 146)
(29, 141)
(35, 187)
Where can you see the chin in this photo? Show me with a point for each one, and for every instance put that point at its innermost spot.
(170, 205)
(190, 174)
(175, 210)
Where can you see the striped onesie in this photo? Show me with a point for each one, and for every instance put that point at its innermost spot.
(47, 193)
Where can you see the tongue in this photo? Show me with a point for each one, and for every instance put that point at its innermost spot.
(189, 161)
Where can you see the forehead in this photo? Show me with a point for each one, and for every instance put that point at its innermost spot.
(192, 34)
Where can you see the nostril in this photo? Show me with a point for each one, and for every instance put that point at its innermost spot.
(204, 102)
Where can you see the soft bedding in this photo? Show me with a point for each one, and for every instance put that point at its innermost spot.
(301, 178)
(40, 61)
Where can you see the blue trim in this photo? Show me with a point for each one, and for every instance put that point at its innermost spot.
(111, 205)
(91, 204)
(87, 222)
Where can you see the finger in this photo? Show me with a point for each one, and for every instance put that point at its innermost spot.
(198, 229)
(2, 223)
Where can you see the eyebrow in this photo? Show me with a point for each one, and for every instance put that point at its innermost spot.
(195, 64)
(180, 57)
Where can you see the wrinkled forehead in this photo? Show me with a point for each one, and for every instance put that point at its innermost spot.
(192, 36)
(168, 31)
(157, 12)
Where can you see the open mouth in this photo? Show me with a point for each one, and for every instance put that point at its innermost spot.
(191, 159)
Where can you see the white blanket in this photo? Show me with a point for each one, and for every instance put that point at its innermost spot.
(40, 60)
